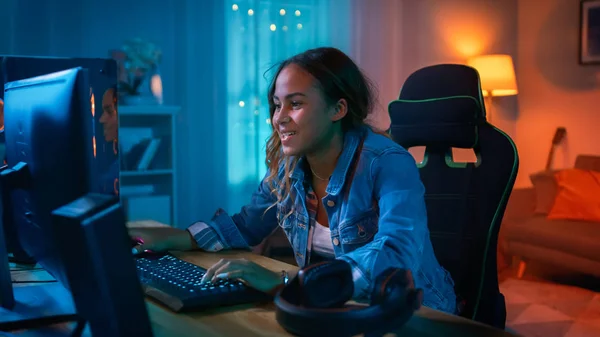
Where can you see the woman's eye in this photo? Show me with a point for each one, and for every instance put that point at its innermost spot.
(296, 104)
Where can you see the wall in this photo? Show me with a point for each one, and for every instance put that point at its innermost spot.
(414, 34)
(554, 89)
(377, 49)
(49, 28)
(438, 31)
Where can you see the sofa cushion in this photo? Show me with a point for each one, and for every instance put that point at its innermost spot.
(544, 184)
(580, 238)
(578, 196)
(587, 162)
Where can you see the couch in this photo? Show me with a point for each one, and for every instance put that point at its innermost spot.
(557, 221)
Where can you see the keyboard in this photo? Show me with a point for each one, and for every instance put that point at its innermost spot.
(176, 284)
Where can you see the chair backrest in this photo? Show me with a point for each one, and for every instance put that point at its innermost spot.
(441, 107)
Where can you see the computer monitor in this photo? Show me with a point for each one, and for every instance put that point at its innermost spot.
(49, 152)
(50, 148)
(103, 280)
(102, 76)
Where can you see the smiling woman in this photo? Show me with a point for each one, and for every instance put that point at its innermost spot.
(259, 34)
(337, 188)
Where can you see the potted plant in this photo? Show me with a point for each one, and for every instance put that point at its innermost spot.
(139, 80)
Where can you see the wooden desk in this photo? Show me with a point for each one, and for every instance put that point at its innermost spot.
(259, 320)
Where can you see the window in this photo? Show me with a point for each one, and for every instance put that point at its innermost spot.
(259, 34)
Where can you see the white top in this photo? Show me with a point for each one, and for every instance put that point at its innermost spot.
(321, 241)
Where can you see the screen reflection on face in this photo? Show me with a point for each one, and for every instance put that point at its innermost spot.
(109, 118)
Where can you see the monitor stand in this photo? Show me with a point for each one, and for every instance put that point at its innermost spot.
(11, 178)
(7, 297)
(37, 307)
(29, 306)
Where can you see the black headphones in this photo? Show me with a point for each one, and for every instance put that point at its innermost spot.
(314, 302)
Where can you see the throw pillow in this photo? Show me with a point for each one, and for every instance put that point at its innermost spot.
(544, 184)
(578, 196)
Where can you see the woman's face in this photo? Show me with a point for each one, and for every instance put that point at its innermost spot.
(302, 117)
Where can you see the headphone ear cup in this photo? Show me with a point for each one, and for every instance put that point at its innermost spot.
(326, 285)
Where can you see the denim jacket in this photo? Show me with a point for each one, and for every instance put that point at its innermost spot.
(376, 210)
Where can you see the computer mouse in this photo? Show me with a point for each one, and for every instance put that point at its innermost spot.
(136, 241)
(145, 253)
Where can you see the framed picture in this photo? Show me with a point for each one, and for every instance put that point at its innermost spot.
(589, 41)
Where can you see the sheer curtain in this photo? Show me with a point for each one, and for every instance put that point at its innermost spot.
(260, 33)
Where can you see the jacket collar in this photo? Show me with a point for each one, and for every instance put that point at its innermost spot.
(352, 140)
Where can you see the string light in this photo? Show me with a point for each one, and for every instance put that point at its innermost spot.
(272, 27)
(242, 104)
(299, 26)
(282, 12)
(297, 12)
(235, 7)
(250, 12)
(268, 120)
(256, 112)
(285, 28)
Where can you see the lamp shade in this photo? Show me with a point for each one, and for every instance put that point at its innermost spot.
(497, 74)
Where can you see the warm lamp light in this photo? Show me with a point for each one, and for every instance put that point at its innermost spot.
(497, 74)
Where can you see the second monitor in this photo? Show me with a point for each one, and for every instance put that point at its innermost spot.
(50, 149)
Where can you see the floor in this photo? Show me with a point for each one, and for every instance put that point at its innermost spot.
(541, 304)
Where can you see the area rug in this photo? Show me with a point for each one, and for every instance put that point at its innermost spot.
(550, 310)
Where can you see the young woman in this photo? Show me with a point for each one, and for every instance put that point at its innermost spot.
(337, 188)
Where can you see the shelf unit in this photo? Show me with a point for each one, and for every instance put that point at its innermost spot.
(148, 191)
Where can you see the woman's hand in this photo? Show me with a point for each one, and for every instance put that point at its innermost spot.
(252, 274)
(161, 239)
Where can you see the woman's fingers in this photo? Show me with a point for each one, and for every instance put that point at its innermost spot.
(222, 270)
(232, 274)
(225, 267)
(212, 271)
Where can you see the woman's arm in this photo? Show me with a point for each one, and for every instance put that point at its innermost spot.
(242, 230)
(398, 189)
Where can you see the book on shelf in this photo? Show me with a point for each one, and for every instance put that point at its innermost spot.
(149, 154)
(141, 155)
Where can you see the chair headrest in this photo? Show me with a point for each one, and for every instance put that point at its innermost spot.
(439, 106)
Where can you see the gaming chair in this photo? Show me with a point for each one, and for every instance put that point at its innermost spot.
(441, 107)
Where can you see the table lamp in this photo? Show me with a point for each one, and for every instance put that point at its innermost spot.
(497, 74)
